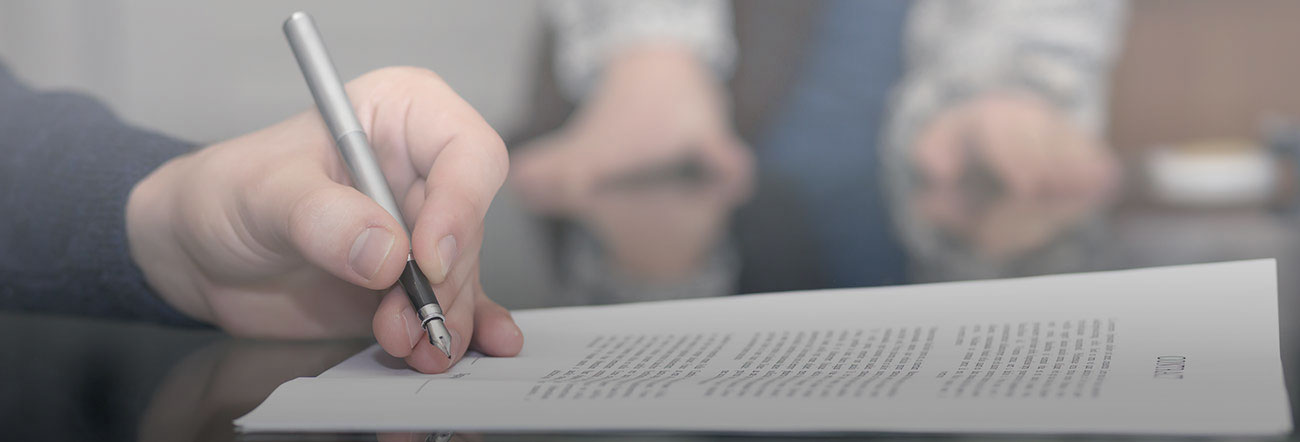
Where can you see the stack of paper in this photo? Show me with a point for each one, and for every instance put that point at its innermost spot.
(1187, 350)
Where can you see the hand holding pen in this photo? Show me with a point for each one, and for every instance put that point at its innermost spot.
(266, 234)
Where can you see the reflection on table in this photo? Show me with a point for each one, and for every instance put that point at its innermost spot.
(84, 379)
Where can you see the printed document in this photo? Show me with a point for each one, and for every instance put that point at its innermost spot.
(1174, 350)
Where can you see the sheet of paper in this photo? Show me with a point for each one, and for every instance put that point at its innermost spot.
(1176, 350)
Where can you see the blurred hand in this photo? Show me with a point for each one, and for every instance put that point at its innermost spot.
(1006, 227)
(653, 107)
(226, 379)
(660, 231)
(1025, 143)
(263, 236)
(1046, 173)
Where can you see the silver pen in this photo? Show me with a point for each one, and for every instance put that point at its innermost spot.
(351, 140)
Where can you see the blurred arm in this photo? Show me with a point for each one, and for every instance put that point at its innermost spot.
(67, 166)
(648, 74)
(590, 32)
(1061, 50)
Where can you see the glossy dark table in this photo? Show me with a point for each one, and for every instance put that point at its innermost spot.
(65, 378)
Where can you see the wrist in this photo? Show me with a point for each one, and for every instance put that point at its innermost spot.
(663, 86)
(151, 211)
(658, 64)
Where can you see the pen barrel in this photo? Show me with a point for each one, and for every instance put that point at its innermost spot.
(366, 174)
(354, 147)
(417, 286)
(335, 108)
(318, 69)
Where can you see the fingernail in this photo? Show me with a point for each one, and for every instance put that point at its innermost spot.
(370, 250)
(518, 331)
(414, 333)
(446, 254)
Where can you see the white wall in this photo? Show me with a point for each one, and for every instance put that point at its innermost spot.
(210, 70)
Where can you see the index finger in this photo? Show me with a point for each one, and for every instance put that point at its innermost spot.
(412, 113)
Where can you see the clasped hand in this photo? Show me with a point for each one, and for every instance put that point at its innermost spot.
(1045, 173)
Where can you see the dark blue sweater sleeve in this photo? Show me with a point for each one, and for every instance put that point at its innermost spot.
(67, 165)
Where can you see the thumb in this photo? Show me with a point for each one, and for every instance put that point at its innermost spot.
(334, 227)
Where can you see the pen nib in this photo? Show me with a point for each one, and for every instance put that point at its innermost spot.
(438, 336)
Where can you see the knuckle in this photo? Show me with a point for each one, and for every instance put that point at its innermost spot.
(409, 72)
(498, 158)
(465, 210)
(396, 75)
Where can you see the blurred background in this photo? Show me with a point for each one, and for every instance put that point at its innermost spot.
(1188, 105)
(670, 149)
